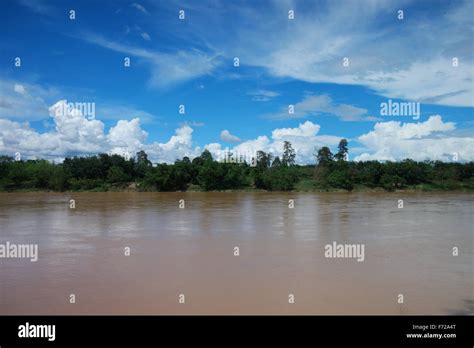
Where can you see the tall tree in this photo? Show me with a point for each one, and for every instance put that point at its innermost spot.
(142, 158)
(288, 154)
(264, 159)
(324, 156)
(276, 162)
(142, 164)
(206, 156)
(341, 154)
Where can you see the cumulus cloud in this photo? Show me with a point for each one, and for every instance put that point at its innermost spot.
(127, 134)
(432, 139)
(226, 136)
(304, 139)
(392, 140)
(179, 146)
(304, 130)
(75, 134)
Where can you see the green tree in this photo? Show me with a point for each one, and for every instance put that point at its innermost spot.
(206, 156)
(58, 180)
(391, 182)
(142, 164)
(142, 158)
(288, 154)
(116, 174)
(209, 175)
(276, 162)
(324, 156)
(340, 179)
(280, 179)
(17, 174)
(341, 154)
(264, 160)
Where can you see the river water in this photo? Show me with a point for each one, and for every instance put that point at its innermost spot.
(191, 251)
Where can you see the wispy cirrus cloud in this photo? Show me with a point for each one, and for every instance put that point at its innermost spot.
(139, 7)
(167, 69)
(312, 47)
(37, 6)
(145, 36)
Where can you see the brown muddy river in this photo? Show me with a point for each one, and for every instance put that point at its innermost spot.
(190, 252)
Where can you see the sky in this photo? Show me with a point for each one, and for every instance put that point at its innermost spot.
(173, 78)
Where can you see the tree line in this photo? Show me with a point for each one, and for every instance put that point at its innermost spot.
(105, 172)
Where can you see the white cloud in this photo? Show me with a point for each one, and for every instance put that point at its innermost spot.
(303, 138)
(75, 134)
(112, 111)
(127, 134)
(24, 101)
(139, 7)
(19, 89)
(179, 146)
(379, 58)
(192, 124)
(175, 68)
(263, 95)
(166, 68)
(30, 102)
(304, 130)
(410, 59)
(313, 105)
(38, 6)
(432, 139)
(74, 130)
(226, 136)
(434, 81)
(145, 36)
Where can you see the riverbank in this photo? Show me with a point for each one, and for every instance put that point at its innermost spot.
(104, 173)
(299, 187)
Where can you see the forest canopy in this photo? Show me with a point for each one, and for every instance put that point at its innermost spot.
(330, 172)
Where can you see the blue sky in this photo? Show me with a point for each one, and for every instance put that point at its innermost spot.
(283, 62)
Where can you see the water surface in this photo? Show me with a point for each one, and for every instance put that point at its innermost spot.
(190, 251)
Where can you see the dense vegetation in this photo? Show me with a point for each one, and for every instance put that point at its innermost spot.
(331, 172)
